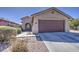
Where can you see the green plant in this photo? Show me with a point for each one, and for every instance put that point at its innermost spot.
(18, 30)
(19, 46)
(74, 23)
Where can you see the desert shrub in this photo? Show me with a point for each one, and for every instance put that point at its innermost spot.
(6, 32)
(12, 40)
(18, 30)
(1, 37)
(19, 46)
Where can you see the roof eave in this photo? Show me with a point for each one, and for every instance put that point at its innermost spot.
(54, 8)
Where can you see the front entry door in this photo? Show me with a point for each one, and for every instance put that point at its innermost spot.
(27, 27)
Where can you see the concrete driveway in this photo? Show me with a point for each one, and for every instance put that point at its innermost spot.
(60, 41)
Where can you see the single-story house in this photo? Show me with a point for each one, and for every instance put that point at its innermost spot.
(50, 20)
(5, 22)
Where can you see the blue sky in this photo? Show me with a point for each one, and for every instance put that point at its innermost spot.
(15, 13)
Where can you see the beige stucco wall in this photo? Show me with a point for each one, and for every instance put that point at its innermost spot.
(49, 16)
(26, 20)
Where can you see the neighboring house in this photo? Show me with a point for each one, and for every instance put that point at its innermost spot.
(50, 20)
(4, 22)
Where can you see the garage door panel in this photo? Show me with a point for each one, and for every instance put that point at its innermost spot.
(51, 25)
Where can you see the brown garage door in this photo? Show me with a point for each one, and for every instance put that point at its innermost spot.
(51, 25)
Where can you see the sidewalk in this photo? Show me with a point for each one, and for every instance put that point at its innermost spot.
(74, 31)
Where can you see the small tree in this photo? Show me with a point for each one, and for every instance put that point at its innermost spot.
(74, 24)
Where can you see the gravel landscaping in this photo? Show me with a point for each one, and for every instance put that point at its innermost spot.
(33, 45)
(3, 46)
(36, 46)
